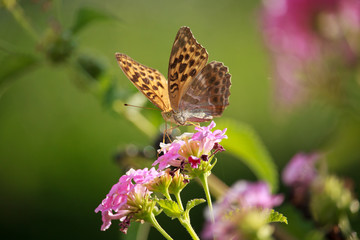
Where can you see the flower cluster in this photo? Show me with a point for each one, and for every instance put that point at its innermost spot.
(131, 199)
(323, 197)
(191, 148)
(242, 212)
(127, 197)
(305, 37)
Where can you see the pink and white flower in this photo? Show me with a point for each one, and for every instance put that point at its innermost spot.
(243, 200)
(126, 197)
(191, 148)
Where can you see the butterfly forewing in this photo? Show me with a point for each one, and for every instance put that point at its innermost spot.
(148, 80)
(208, 95)
(187, 59)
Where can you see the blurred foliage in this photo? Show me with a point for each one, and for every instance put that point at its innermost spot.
(85, 16)
(245, 144)
(57, 143)
(13, 65)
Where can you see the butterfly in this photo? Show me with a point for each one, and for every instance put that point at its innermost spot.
(194, 92)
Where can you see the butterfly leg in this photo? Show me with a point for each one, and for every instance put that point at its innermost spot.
(192, 124)
(166, 133)
(168, 136)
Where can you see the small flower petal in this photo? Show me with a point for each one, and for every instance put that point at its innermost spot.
(194, 161)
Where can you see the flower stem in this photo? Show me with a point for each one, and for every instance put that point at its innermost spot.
(188, 227)
(204, 182)
(178, 199)
(18, 13)
(167, 195)
(156, 225)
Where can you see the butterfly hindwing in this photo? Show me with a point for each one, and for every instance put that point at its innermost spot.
(149, 81)
(187, 58)
(208, 94)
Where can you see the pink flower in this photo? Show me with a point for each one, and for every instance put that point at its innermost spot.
(126, 196)
(304, 36)
(245, 194)
(300, 171)
(243, 200)
(290, 25)
(142, 176)
(223, 230)
(197, 146)
(171, 155)
(248, 195)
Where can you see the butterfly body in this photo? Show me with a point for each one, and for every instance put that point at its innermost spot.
(184, 117)
(194, 92)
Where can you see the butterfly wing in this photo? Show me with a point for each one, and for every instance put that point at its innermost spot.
(208, 95)
(187, 58)
(149, 81)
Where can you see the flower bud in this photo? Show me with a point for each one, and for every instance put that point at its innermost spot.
(330, 200)
(160, 184)
(179, 181)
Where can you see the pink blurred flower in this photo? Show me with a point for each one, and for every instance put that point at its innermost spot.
(304, 35)
(190, 147)
(222, 230)
(243, 198)
(300, 171)
(248, 195)
(126, 196)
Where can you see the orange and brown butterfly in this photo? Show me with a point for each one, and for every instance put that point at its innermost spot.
(194, 92)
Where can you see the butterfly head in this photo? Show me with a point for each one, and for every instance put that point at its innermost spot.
(173, 117)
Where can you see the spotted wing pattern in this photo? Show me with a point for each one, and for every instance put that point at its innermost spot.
(149, 81)
(208, 95)
(187, 58)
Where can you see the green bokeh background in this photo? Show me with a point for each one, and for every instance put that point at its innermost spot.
(57, 141)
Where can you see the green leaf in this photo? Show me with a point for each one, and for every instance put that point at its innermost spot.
(170, 208)
(244, 143)
(86, 16)
(277, 217)
(192, 203)
(14, 65)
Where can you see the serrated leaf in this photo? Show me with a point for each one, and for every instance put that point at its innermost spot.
(192, 203)
(15, 64)
(87, 15)
(244, 143)
(170, 208)
(277, 217)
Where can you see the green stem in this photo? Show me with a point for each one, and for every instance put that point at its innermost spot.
(156, 225)
(188, 227)
(204, 182)
(167, 195)
(18, 13)
(178, 199)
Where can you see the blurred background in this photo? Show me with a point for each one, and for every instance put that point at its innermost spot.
(63, 129)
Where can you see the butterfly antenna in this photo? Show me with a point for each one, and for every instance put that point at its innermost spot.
(129, 105)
